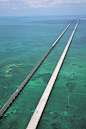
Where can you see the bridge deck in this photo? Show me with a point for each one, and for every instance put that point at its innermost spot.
(41, 105)
(7, 104)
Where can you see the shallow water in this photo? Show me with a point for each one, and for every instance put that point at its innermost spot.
(24, 41)
(57, 114)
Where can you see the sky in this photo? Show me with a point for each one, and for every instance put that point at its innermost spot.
(42, 7)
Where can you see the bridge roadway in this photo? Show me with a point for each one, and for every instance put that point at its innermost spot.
(15, 94)
(41, 105)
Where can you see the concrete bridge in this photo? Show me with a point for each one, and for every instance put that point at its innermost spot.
(15, 94)
(41, 105)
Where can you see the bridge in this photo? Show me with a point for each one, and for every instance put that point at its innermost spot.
(41, 105)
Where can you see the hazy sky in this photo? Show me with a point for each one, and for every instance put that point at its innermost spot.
(42, 7)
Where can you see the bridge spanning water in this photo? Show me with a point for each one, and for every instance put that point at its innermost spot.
(15, 94)
(41, 105)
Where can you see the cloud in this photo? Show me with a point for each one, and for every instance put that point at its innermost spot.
(3, 0)
(51, 3)
(15, 4)
(10, 4)
(40, 3)
(75, 1)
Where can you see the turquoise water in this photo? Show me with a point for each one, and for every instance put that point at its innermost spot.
(57, 115)
(23, 42)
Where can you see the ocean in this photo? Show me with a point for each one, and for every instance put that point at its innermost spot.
(23, 42)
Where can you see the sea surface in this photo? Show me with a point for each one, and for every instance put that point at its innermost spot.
(23, 42)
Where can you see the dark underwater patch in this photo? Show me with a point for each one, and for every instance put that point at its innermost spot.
(56, 125)
(71, 86)
(45, 77)
(84, 85)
